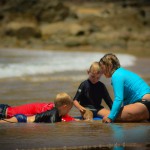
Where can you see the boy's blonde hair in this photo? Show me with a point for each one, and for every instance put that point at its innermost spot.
(63, 99)
(110, 60)
(95, 68)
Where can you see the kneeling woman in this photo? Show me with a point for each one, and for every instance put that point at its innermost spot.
(63, 104)
(131, 92)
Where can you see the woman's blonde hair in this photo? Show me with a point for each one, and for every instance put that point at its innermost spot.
(95, 67)
(110, 61)
(63, 99)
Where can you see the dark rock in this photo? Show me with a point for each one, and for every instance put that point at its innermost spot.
(105, 24)
(24, 32)
(39, 10)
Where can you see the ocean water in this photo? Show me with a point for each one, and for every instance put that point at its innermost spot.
(27, 75)
(21, 62)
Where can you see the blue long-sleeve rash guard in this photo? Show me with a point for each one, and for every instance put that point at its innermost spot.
(128, 88)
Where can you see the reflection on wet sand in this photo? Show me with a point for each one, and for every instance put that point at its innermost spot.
(75, 135)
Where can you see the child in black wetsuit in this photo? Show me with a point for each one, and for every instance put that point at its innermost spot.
(63, 104)
(91, 92)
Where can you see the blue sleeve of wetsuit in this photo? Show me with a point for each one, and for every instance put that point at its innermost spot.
(118, 87)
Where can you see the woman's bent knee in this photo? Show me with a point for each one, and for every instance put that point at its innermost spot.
(133, 112)
(146, 97)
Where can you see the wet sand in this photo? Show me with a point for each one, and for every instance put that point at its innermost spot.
(75, 135)
(142, 67)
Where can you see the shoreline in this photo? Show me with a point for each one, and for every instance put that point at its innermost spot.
(86, 48)
(141, 65)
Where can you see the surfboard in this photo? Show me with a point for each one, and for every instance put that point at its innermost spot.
(95, 118)
(68, 118)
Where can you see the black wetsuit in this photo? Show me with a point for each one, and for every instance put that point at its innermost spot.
(92, 94)
(49, 116)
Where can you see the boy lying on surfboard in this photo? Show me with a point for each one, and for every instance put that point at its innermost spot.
(48, 113)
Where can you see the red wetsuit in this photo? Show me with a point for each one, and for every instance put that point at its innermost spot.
(29, 109)
(33, 109)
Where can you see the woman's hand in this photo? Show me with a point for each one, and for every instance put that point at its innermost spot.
(106, 120)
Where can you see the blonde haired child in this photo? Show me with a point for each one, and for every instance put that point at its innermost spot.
(63, 104)
(90, 94)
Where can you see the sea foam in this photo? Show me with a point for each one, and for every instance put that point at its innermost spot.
(17, 63)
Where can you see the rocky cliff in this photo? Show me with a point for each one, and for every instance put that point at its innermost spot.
(121, 25)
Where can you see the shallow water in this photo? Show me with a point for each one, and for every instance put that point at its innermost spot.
(19, 86)
(27, 75)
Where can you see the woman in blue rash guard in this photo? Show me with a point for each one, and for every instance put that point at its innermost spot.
(131, 92)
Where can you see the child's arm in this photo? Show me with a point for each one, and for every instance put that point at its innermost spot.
(78, 106)
(10, 120)
(79, 96)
